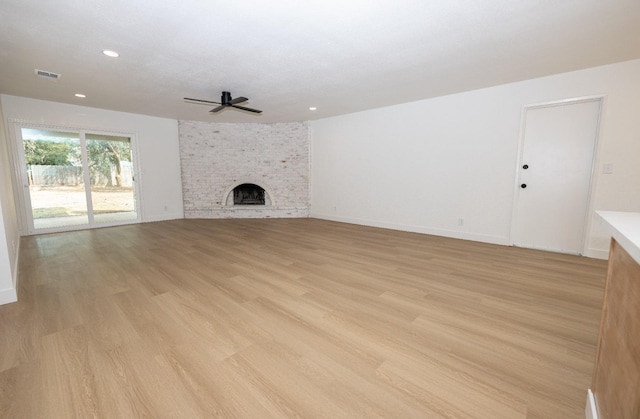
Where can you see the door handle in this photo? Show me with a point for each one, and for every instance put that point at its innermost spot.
(525, 167)
(524, 185)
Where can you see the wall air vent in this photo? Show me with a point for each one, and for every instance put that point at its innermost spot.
(48, 75)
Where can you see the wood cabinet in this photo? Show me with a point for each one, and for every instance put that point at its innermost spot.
(616, 377)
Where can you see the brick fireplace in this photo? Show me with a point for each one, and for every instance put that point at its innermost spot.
(218, 159)
(247, 194)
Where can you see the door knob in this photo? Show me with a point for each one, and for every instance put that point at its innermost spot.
(524, 185)
(525, 167)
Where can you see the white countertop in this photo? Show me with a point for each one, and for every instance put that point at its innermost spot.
(624, 227)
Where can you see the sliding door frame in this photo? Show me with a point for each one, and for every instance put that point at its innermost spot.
(23, 196)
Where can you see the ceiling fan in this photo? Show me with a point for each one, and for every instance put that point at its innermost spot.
(226, 102)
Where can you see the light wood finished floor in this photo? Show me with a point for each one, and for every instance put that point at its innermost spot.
(295, 318)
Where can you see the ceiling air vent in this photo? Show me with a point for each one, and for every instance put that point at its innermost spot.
(48, 75)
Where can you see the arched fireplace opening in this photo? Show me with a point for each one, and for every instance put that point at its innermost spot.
(248, 194)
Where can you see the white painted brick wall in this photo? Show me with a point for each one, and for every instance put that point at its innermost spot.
(216, 157)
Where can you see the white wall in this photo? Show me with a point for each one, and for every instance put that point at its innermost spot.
(422, 165)
(9, 236)
(157, 146)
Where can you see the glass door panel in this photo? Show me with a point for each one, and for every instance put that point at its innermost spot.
(111, 178)
(55, 178)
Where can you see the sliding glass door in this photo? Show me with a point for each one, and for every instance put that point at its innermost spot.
(111, 178)
(55, 178)
(77, 179)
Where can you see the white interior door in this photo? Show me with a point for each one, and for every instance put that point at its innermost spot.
(554, 176)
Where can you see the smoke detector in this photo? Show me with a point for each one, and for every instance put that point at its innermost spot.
(47, 75)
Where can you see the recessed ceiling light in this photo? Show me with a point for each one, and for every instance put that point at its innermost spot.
(313, 108)
(110, 53)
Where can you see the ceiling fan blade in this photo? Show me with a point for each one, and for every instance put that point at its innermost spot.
(237, 100)
(219, 108)
(246, 109)
(227, 101)
(200, 100)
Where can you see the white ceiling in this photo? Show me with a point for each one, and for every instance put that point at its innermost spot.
(341, 56)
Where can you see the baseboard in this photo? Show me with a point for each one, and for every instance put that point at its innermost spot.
(590, 411)
(597, 253)
(455, 234)
(8, 295)
(162, 217)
